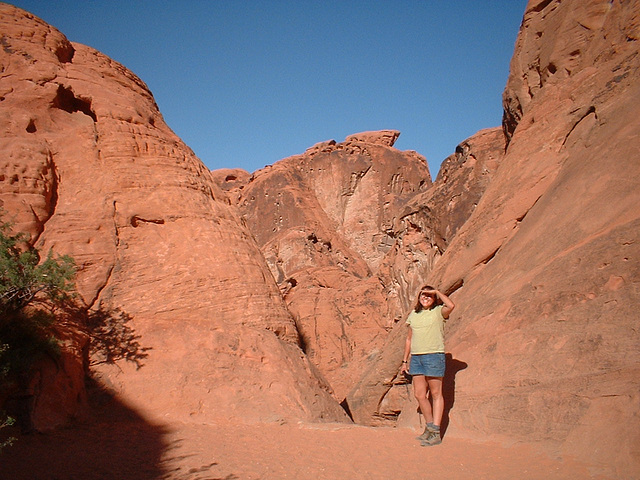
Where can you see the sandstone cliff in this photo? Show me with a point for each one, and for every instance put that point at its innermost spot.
(90, 169)
(545, 271)
(349, 231)
(324, 222)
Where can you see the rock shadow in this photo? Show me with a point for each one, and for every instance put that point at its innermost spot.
(110, 440)
(453, 366)
(111, 337)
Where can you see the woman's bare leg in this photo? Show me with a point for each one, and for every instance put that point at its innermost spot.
(435, 387)
(420, 391)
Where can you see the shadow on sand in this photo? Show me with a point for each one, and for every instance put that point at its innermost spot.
(110, 441)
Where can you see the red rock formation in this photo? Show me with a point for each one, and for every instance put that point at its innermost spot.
(431, 219)
(422, 232)
(231, 181)
(545, 270)
(89, 168)
(323, 221)
(340, 178)
(537, 244)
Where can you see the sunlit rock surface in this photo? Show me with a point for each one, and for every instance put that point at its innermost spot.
(89, 168)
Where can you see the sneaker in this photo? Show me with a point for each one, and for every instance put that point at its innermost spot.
(432, 439)
(425, 434)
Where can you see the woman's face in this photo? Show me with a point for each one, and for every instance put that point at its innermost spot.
(426, 300)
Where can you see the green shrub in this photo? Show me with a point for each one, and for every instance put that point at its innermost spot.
(37, 299)
(5, 422)
(30, 292)
(24, 280)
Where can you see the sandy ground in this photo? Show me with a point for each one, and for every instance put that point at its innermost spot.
(118, 444)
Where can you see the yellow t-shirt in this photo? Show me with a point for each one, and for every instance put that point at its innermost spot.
(427, 331)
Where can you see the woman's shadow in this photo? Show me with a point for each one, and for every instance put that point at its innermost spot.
(453, 366)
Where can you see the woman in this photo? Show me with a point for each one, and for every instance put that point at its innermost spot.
(425, 346)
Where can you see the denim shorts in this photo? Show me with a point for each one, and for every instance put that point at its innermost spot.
(427, 364)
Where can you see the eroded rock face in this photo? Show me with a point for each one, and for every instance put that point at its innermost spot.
(350, 230)
(90, 169)
(422, 233)
(324, 222)
(431, 218)
(381, 137)
(354, 188)
(545, 280)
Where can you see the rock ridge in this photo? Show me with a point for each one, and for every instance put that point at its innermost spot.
(91, 170)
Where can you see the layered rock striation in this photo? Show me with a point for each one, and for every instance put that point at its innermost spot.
(324, 222)
(545, 271)
(90, 169)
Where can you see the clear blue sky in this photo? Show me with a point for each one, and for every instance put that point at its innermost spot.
(247, 83)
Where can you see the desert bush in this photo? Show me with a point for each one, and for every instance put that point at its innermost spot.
(38, 303)
(30, 291)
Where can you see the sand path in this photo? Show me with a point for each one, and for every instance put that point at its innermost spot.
(120, 446)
